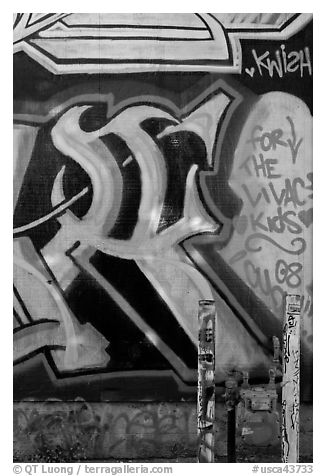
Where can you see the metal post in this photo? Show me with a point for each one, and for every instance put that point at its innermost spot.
(206, 381)
(231, 436)
(231, 401)
(291, 380)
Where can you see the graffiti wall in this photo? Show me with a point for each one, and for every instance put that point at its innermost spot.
(159, 160)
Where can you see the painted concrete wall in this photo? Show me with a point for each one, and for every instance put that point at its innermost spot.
(76, 431)
(138, 194)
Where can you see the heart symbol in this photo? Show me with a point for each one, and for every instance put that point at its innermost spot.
(305, 216)
(240, 224)
(250, 71)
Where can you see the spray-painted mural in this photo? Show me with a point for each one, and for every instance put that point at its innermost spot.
(160, 160)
